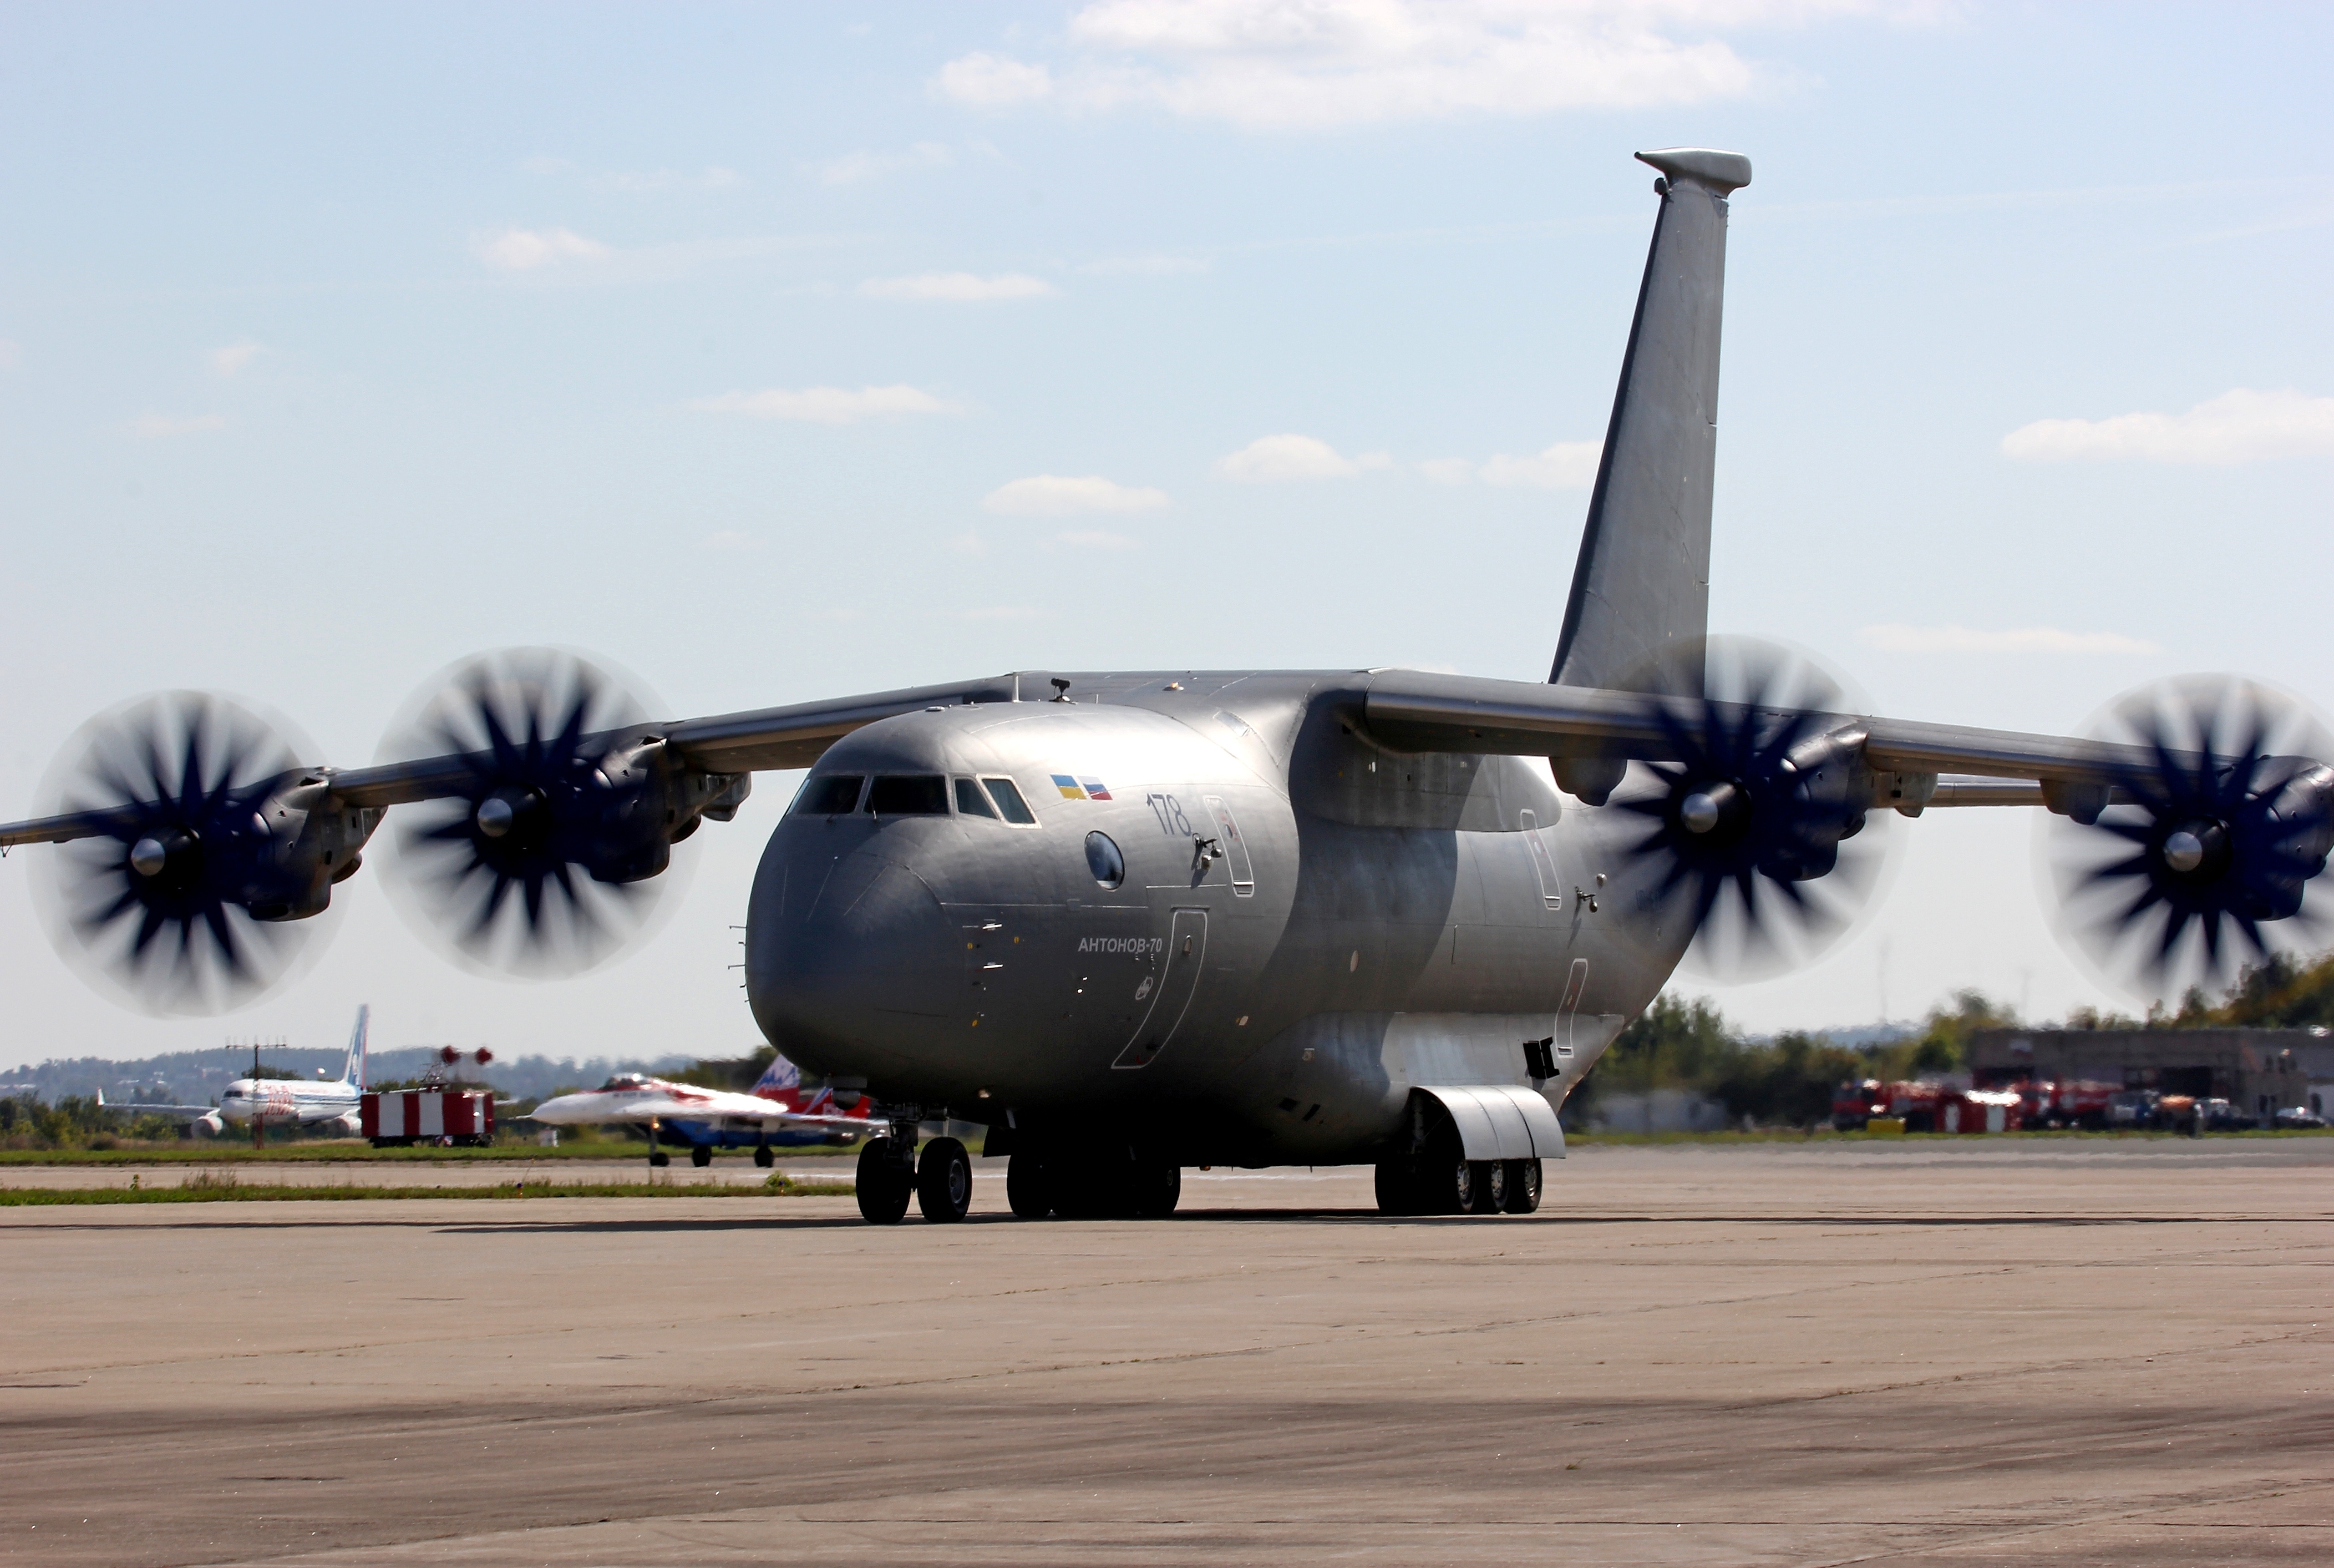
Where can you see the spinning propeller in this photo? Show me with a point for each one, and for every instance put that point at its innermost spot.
(537, 863)
(1753, 809)
(2201, 860)
(190, 899)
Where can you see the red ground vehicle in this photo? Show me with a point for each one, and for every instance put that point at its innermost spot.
(1980, 1111)
(1856, 1102)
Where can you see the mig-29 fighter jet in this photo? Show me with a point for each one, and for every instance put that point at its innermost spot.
(1134, 921)
(776, 1112)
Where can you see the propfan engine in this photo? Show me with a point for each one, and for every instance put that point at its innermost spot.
(2200, 858)
(213, 847)
(559, 804)
(1764, 787)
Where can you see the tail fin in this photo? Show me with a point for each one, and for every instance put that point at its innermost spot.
(353, 1071)
(780, 1074)
(1642, 582)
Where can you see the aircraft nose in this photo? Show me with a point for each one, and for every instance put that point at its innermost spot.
(856, 975)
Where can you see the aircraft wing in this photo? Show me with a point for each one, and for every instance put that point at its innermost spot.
(176, 1112)
(716, 748)
(593, 1107)
(764, 739)
(1413, 710)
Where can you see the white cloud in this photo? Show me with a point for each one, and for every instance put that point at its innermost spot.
(1270, 460)
(150, 427)
(856, 168)
(2024, 640)
(958, 286)
(827, 405)
(1062, 495)
(2240, 426)
(1305, 64)
(731, 539)
(522, 250)
(227, 360)
(1447, 470)
(989, 81)
(1094, 539)
(1566, 466)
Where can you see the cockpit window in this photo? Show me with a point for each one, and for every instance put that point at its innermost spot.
(836, 793)
(970, 801)
(1009, 801)
(624, 1081)
(913, 794)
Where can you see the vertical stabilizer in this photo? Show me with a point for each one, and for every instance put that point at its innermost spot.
(1642, 582)
(353, 1071)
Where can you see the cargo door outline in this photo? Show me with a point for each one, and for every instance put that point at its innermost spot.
(1543, 864)
(1235, 847)
(1171, 999)
(1568, 1013)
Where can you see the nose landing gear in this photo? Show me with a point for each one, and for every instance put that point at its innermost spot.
(890, 1174)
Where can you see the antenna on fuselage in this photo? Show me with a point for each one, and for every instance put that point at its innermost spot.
(1061, 689)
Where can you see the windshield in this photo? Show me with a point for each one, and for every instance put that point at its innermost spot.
(908, 795)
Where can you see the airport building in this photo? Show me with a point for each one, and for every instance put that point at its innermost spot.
(2260, 1072)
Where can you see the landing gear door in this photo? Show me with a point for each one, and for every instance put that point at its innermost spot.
(1172, 986)
(1235, 848)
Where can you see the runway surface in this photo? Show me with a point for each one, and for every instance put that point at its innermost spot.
(1956, 1351)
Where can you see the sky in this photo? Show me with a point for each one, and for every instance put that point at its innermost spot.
(783, 352)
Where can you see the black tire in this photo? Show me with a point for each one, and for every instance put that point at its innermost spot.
(1491, 1196)
(763, 1156)
(1446, 1185)
(1158, 1187)
(1397, 1187)
(944, 1182)
(658, 1157)
(701, 1155)
(1029, 1191)
(1523, 1186)
(884, 1182)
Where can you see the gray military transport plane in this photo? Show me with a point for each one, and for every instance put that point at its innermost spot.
(1132, 921)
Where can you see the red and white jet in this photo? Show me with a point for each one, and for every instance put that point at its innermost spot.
(705, 1117)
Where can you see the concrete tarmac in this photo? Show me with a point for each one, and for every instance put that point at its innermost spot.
(1952, 1351)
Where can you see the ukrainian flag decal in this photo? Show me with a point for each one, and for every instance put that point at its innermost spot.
(1069, 787)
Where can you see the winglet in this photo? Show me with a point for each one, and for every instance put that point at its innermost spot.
(1720, 171)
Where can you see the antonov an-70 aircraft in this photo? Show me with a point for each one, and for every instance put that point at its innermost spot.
(1132, 922)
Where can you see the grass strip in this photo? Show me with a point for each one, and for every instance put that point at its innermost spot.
(206, 1188)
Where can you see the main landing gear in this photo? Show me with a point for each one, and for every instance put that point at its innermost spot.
(1432, 1184)
(1091, 1185)
(890, 1172)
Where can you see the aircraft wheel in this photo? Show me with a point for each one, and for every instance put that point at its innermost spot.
(1027, 1189)
(1523, 1186)
(1491, 1186)
(1397, 1187)
(884, 1181)
(701, 1155)
(658, 1157)
(944, 1182)
(1158, 1187)
(763, 1156)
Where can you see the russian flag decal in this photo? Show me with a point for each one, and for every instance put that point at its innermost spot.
(1095, 792)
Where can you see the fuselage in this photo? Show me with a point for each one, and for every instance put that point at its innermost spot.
(287, 1099)
(1234, 930)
